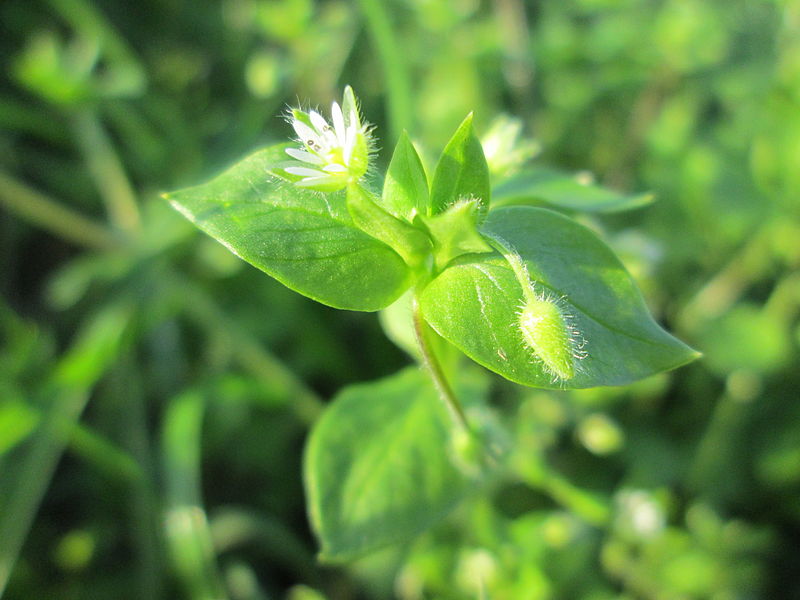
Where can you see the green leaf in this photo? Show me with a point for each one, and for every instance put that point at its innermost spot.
(476, 305)
(405, 189)
(379, 467)
(462, 172)
(408, 241)
(547, 186)
(306, 240)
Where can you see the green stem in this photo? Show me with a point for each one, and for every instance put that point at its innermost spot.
(37, 470)
(249, 352)
(144, 508)
(723, 290)
(70, 388)
(107, 171)
(395, 69)
(538, 475)
(186, 525)
(41, 211)
(434, 368)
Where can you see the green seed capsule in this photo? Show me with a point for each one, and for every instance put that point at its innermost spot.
(547, 333)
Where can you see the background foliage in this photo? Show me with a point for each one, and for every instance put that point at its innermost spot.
(155, 392)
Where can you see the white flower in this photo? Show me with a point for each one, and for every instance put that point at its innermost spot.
(502, 148)
(334, 153)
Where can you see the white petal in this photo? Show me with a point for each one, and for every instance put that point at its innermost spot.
(314, 181)
(305, 156)
(350, 143)
(325, 131)
(318, 121)
(304, 172)
(335, 168)
(330, 139)
(338, 122)
(307, 135)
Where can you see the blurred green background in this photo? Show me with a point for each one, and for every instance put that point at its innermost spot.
(155, 391)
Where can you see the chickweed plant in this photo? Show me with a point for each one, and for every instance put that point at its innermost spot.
(458, 264)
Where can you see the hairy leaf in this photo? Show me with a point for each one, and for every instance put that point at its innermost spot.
(476, 304)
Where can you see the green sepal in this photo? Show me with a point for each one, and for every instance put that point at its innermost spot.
(302, 116)
(350, 107)
(359, 158)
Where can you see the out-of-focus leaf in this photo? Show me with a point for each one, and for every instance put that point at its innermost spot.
(745, 338)
(543, 186)
(83, 364)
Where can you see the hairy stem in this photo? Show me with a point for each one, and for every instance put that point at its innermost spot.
(434, 368)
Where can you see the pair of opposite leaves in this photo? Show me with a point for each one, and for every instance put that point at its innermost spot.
(582, 311)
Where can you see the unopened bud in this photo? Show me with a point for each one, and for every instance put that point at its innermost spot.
(545, 330)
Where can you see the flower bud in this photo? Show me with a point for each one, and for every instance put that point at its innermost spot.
(545, 330)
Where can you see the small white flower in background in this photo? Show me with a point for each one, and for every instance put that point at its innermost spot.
(639, 513)
(333, 154)
(504, 152)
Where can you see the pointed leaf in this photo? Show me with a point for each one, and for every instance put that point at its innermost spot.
(306, 240)
(379, 466)
(462, 172)
(405, 190)
(476, 305)
(561, 190)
